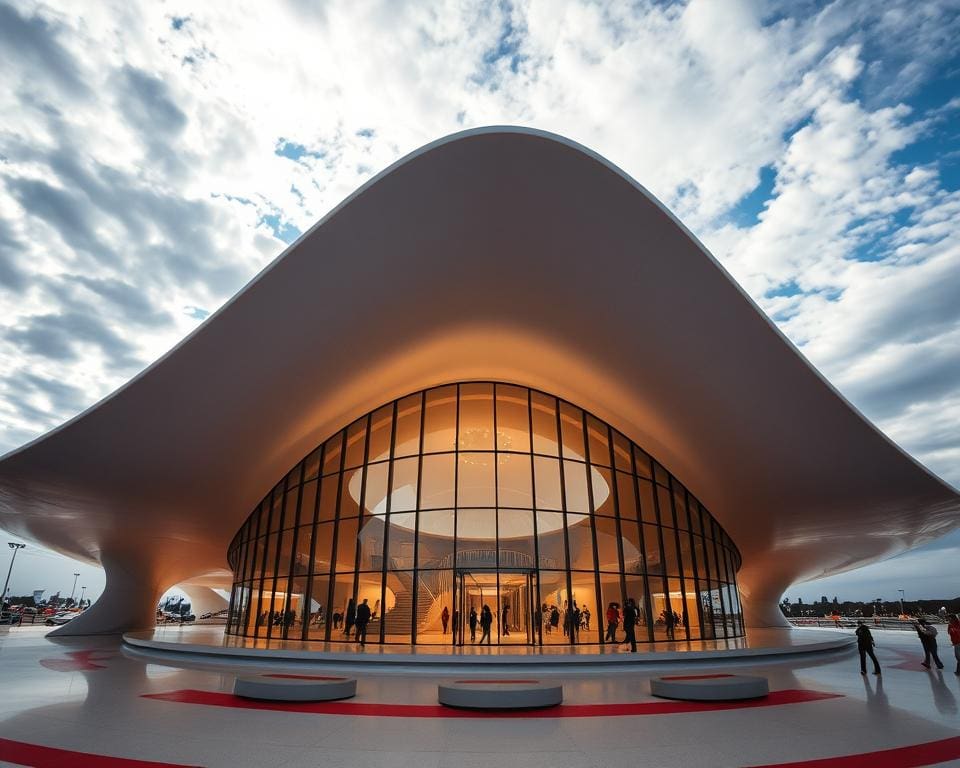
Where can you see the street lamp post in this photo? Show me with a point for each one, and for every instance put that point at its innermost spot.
(82, 590)
(16, 548)
(73, 591)
(901, 601)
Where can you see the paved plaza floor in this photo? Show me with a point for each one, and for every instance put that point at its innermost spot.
(94, 702)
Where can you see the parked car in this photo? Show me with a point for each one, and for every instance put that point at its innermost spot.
(59, 618)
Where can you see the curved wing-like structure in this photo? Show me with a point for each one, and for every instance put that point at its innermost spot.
(496, 254)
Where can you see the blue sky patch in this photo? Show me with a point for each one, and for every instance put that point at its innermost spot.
(282, 230)
(747, 211)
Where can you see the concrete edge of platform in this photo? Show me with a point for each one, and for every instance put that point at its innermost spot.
(201, 650)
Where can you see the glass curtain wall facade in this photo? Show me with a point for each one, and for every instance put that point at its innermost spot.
(481, 494)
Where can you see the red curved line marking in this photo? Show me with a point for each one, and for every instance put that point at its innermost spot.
(496, 682)
(22, 753)
(929, 753)
(303, 677)
(356, 709)
(695, 677)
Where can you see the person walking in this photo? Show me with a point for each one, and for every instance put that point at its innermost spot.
(865, 646)
(928, 638)
(953, 628)
(670, 623)
(613, 621)
(505, 619)
(445, 618)
(486, 621)
(362, 619)
(630, 624)
(473, 625)
(351, 617)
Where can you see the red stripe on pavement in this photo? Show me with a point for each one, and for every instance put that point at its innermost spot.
(356, 709)
(930, 753)
(21, 753)
(694, 677)
(303, 677)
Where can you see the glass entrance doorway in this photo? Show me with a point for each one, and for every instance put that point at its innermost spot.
(511, 596)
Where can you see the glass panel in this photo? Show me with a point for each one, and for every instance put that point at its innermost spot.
(513, 419)
(436, 488)
(603, 498)
(626, 497)
(637, 590)
(546, 473)
(610, 608)
(440, 420)
(553, 604)
(671, 563)
(584, 595)
(544, 423)
(516, 538)
(350, 495)
(513, 481)
(308, 502)
(680, 506)
(381, 433)
(599, 445)
(344, 604)
(356, 443)
(571, 425)
(311, 466)
(285, 548)
(369, 587)
(290, 508)
(476, 417)
(400, 531)
(322, 548)
(686, 556)
(632, 550)
(434, 593)
(476, 538)
(694, 514)
(318, 612)
(293, 477)
(608, 555)
(269, 566)
(328, 497)
(398, 606)
(346, 544)
(375, 495)
(642, 463)
(403, 496)
(648, 510)
(371, 537)
(407, 439)
(331, 453)
(665, 507)
(475, 480)
(621, 452)
(553, 549)
(681, 618)
(580, 536)
(276, 508)
(691, 614)
(651, 543)
(436, 539)
(660, 474)
(575, 485)
(293, 615)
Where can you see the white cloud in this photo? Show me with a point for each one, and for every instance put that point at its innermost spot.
(141, 183)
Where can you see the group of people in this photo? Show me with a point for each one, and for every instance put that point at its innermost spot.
(575, 619)
(928, 641)
(630, 616)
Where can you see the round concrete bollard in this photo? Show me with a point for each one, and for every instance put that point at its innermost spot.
(709, 687)
(499, 694)
(295, 687)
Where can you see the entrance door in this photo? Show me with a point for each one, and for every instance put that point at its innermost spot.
(512, 598)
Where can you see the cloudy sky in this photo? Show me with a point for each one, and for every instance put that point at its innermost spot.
(154, 156)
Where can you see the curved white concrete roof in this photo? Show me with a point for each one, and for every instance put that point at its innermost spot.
(498, 253)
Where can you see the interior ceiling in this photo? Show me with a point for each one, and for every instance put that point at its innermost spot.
(496, 254)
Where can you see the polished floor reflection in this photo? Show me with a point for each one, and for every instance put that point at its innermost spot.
(88, 695)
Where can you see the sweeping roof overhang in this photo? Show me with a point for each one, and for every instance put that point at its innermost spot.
(499, 253)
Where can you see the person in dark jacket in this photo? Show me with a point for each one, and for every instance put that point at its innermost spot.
(486, 621)
(505, 620)
(613, 621)
(630, 624)
(351, 617)
(363, 618)
(865, 646)
(473, 625)
(928, 639)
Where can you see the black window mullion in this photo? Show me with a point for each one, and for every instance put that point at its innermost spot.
(647, 601)
(288, 602)
(456, 496)
(568, 610)
(664, 577)
(538, 612)
(620, 559)
(276, 559)
(416, 528)
(386, 527)
(685, 618)
(331, 585)
(593, 512)
(311, 564)
(694, 563)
